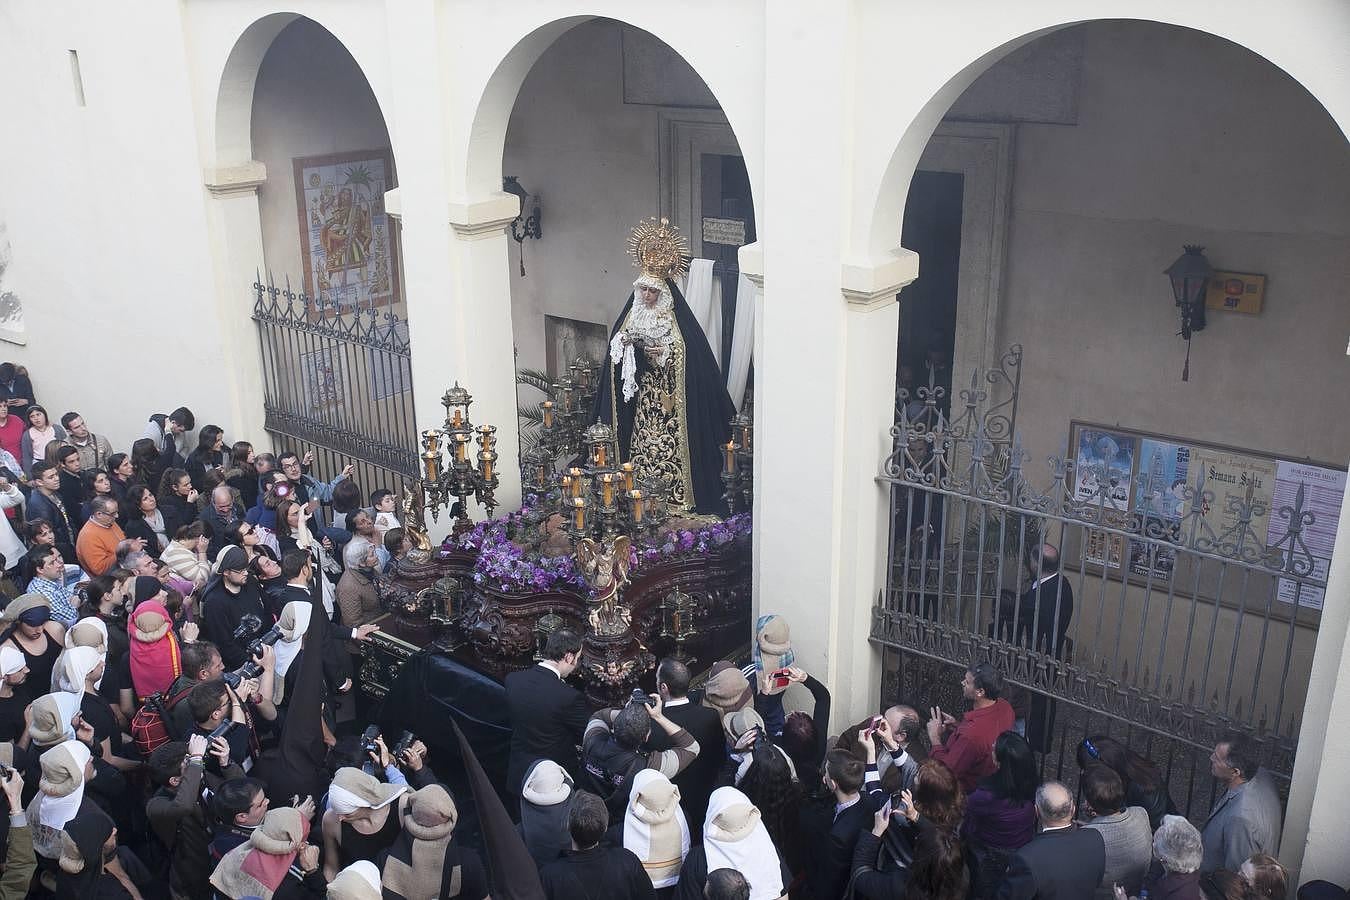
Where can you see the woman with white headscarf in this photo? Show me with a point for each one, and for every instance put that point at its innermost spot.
(364, 817)
(292, 624)
(734, 838)
(655, 830)
(13, 672)
(65, 769)
(79, 671)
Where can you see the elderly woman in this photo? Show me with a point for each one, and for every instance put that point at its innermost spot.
(1177, 851)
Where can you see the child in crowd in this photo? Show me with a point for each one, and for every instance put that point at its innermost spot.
(384, 503)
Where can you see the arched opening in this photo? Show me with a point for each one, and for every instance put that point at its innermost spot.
(295, 109)
(609, 127)
(1049, 198)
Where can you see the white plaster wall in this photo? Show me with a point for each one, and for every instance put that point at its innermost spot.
(593, 159)
(105, 211)
(311, 99)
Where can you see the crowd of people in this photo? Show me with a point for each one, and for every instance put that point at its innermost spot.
(720, 793)
(164, 733)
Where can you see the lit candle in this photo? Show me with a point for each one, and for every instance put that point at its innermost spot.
(636, 497)
(600, 454)
(431, 461)
(547, 407)
(566, 484)
(461, 442)
(576, 482)
(629, 472)
(486, 463)
(579, 512)
(458, 419)
(567, 399)
(730, 457)
(607, 489)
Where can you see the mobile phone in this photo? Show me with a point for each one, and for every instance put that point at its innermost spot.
(886, 808)
(782, 678)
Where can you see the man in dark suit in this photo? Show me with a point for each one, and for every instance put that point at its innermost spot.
(1063, 862)
(830, 830)
(696, 783)
(1043, 613)
(547, 714)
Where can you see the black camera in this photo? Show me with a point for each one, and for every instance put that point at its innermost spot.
(272, 635)
(221, 730)
(368, 739)
(639, 696)
(248, 670)
(248, 626)
(405, 742)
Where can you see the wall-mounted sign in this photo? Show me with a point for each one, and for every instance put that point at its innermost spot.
(727, 232)
(1236, 292)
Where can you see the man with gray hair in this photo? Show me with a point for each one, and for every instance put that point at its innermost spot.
(138, 562)
(218, 516)
(1063, 861)
(1178, 849)
(1246, 819)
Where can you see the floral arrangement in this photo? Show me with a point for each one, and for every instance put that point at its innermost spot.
(507, 562)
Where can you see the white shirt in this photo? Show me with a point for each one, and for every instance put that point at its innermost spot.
(682, 701)
(551, 666)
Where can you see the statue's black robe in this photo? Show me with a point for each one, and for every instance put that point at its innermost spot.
(707, 417)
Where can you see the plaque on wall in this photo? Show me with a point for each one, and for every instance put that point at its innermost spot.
(727, 232)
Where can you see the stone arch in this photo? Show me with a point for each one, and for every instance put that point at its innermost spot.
(880, 209)
(231, 121)
(486, 141)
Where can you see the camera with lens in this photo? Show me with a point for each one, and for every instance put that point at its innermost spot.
(248, 670)
(248, 626)
(270, 637)
(405, 742)
(368, 737)
(639, 696)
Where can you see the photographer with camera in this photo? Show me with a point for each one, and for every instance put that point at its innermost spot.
(222, 718)
(404, 764)
(226, 600)
(611, 754)
(178, 814)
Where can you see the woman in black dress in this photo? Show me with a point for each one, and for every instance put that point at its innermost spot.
(30, 629)
(13, 673)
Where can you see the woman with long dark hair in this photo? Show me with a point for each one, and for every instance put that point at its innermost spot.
(210, 454)
(769, 784)
(913, 849)
(1144, 784)
(96, 484)
(146, 466)
(120, 473)
(40, 432)
(177, 500)
(1001, 812)
(144, 520)
(242, 475)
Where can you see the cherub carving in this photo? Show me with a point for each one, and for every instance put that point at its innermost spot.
(415, 524)
(605, 565)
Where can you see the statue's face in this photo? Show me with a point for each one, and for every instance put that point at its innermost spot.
(649, 295)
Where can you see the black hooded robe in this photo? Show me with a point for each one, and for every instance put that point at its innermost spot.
(708, 412)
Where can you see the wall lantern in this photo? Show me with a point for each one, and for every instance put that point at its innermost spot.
(527, 224)
(1190, 276)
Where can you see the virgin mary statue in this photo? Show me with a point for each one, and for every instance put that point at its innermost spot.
(662, 388)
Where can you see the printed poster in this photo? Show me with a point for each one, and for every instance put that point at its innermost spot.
(1322, 492)
(1230, 475)
(1103, 468)
(1159, 500)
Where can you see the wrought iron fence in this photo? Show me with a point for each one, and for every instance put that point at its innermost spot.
(337, 379)
(1199, 644)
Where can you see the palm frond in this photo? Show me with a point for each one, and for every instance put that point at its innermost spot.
(536, 379)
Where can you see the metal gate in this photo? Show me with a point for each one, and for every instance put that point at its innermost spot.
(337, 380)
(1166, 664)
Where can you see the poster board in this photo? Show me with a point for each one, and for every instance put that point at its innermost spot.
(1147, 474)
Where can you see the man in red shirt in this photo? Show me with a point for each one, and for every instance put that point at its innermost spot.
(967, 747)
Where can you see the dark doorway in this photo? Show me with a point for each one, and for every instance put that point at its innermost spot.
(928, 306)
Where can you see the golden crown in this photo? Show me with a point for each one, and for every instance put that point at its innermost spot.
(658, 249)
